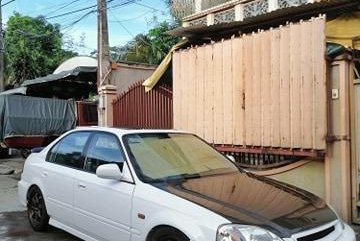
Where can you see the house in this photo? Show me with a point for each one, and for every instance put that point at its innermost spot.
(273, 83)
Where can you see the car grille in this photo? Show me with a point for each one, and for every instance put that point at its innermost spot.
(317, 235)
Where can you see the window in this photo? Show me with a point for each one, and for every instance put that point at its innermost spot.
(103, 149)
(162, 156)
(69, 150)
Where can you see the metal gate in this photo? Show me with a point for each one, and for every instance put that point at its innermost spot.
(139, 109)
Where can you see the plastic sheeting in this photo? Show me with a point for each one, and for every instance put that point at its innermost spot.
(150, 82)
(344, 30)
(31, 116)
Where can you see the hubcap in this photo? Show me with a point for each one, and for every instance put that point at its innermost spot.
(35, 208)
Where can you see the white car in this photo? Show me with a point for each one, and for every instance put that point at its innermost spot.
(111, 184)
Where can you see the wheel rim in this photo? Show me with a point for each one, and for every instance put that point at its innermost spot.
(36, 208)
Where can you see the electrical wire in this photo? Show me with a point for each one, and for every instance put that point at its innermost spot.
(130, 19)
(8, 2)
(62, 7)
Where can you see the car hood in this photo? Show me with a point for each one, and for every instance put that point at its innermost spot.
(245, 198)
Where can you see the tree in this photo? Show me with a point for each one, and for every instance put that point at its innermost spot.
(33, 48)
(148, 48)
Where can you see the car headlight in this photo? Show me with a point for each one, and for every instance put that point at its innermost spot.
(236, 232)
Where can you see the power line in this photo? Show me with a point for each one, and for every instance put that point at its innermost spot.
(71, 12)
(150, 7)
(140, 37)
(130, 19)
(8, 2)
(62, 7)
(76, 11)
(93, 11)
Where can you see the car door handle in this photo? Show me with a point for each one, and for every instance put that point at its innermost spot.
(45, 174)
(81, 185)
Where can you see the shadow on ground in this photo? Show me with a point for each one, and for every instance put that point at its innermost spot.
(15, 227)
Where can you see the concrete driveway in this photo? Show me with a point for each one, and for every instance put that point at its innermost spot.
(14, 225)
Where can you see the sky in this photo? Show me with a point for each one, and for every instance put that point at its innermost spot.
(125, 20)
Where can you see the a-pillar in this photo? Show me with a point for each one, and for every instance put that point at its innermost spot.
(107, 94)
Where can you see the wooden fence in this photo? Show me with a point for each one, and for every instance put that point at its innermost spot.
(137, 109)
(266, 89)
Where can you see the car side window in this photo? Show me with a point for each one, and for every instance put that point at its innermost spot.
(103, 149)
(69, 150)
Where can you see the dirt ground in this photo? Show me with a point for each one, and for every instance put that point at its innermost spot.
(14, 225)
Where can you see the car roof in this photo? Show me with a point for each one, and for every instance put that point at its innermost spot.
(124, 131)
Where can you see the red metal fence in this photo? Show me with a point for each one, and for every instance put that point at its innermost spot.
(138, 109)
(86, 113)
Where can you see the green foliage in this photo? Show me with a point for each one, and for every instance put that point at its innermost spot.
(33, 48)
(148, 48)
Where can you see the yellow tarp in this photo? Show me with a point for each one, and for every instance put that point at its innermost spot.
(150, 82)
(344, 29)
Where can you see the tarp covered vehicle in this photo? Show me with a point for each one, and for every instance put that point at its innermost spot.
(27, 122)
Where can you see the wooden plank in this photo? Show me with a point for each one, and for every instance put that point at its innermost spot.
(238, 91)
(285, 130)
(256, 90)
(319, 94)
(191, 87)
(209, 94)
(218, 94)
(265, 88)
(200, 68)
(295, 85)
(275, 88)
(307, 73)
(185, 89)
(176, 89)
(227, 92)
(248, 71)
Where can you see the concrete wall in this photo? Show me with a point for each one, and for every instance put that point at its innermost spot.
(127, 75)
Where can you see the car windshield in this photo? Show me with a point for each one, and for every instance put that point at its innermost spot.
(167, 156)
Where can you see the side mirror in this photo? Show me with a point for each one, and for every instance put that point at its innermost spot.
(231, 158)
(109, 171)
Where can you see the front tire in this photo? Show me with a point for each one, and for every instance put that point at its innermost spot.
(168, 234)
(36, 210)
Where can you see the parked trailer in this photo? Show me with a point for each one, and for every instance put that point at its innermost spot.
(29, 122)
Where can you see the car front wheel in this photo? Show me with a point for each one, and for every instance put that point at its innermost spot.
(36, 209)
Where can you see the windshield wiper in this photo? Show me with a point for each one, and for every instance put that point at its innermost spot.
(177, 177)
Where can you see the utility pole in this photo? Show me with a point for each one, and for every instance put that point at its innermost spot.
(103, 45)
(2, 50)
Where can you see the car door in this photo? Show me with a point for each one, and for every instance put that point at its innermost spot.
(103, 206)
(64, 161)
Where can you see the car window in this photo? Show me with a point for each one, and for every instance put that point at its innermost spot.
(103, 149)
(69, 150)
(162, 156)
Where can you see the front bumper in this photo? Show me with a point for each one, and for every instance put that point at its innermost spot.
(347, 235)
(22, 192)
(339, 234)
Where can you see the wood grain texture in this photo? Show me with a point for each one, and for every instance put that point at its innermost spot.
(295, 85)
(209, 94)
(264, 89)
(265, 69)
(218, 93)
(227, 85)
(285, 123)
(275, 87)
(238, 92)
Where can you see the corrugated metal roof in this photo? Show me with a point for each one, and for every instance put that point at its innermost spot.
(275, 18)
(70, 74)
